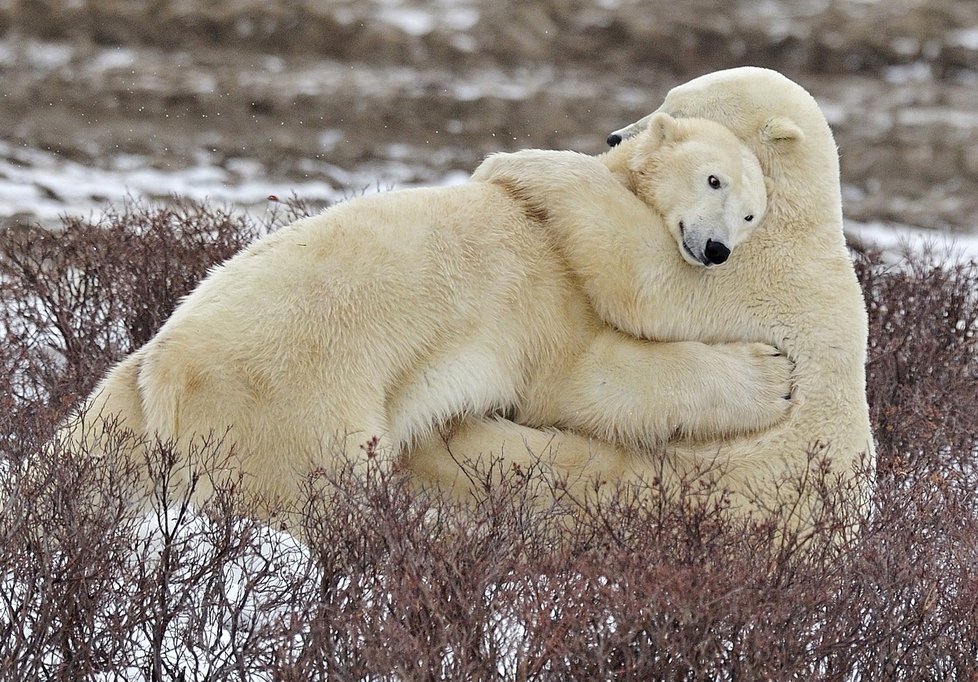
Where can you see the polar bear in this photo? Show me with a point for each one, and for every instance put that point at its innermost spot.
(367, 326)
(791, 285)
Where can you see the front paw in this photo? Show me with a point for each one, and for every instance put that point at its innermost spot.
(764, 387)
(733, 389)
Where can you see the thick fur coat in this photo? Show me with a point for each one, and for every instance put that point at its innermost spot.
(360, 331)
(791, 285)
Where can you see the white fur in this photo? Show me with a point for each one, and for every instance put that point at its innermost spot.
(389, 315)
(792, 285)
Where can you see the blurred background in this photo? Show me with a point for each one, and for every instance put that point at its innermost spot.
(236, 100)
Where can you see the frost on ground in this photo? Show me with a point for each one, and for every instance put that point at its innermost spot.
(896, 241)
(240, 100)
(204, 613)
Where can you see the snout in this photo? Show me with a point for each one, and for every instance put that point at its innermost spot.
(715, 253)
(696, 252)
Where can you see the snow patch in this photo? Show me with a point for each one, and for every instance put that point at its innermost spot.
(926, 116)
(964, 37)
(895, 238)
(460, 18)
(834, 112)
(917, 72)
(413, 21)
(40, 55)
(43, 186)
(114, 58)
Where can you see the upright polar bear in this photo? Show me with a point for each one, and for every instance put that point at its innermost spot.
(792, 285)
(387, 316)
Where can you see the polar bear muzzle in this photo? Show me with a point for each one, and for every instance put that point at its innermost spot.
(715, 252)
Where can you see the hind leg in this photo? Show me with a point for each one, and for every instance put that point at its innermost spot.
(479, 453)
(280, 448)
(111, 422)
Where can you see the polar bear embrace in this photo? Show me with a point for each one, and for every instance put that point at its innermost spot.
(385, 317)
(633, 300)
(791, 285)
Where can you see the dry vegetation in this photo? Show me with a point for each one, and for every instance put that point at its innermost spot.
(398, 585)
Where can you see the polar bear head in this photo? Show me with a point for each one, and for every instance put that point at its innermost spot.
(782, 124)
(708, 187)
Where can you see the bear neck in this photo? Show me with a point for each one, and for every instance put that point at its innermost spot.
(616, 159)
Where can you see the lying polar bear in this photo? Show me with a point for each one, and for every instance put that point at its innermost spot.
(792, 285)
(386, 316)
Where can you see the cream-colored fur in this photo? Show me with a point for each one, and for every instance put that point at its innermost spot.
(390, 315)
(708, 190)
(792, 285)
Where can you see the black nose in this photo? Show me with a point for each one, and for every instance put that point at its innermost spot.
(715, 252)
(614, 140)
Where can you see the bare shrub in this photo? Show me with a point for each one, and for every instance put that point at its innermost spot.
(77, 300)
(390, 583)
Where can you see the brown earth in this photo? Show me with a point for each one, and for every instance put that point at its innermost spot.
(410, 92)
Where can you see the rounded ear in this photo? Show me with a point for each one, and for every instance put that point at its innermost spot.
(779, 128)
(662, 128)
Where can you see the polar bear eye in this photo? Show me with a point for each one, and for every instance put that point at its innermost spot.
(749, 217)
(714, 181)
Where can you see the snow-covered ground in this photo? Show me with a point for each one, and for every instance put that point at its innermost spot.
(894, 239)
(44, 186)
